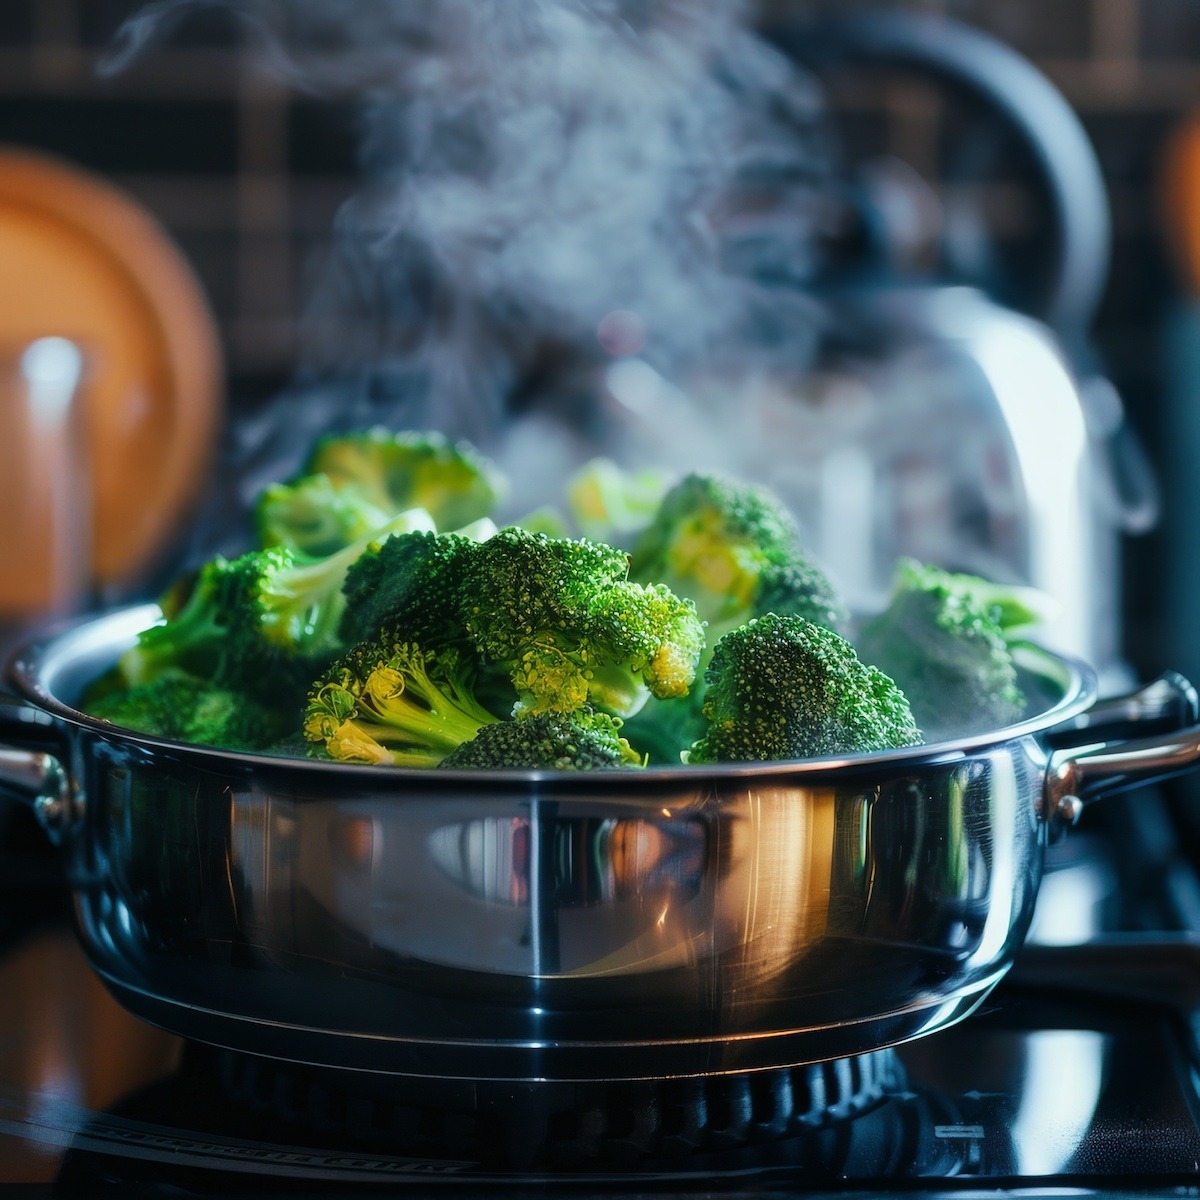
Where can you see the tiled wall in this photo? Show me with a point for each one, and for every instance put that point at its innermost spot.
(248, 176)
(245, 175)
(1131, 70)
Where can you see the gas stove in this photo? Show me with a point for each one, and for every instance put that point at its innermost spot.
(1081, 1071)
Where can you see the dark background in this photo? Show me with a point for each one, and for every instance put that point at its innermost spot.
(247, 175)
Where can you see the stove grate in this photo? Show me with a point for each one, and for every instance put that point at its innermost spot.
(563, 1126)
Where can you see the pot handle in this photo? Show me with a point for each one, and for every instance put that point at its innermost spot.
(1166, 705)
(31, 770)
(1078, 776)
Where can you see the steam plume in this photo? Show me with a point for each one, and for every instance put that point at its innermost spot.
(531, 167)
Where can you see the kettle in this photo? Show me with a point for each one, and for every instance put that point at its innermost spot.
(985, 437)
(932, 419)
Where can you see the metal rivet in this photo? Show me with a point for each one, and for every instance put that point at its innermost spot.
(1068, 810)
(51, 811)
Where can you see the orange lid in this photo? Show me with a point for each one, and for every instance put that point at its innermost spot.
(1180, 199)
(81, 260)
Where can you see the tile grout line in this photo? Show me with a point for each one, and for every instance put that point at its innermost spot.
(1114, 58)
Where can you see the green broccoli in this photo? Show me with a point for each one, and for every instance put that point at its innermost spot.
(514, 648)
(947, 650)
(572, 629)
(667, 727)
(188, 709)
(609, 503)
(292, 605)
(317, 517)
(409, 582)
(558, 616)
(395, 471)
(389, 702)
(579, 741)
(292, 609)
(783, 687)
(735, 551)
(262, 624)
(1015, 609)
(194, 639)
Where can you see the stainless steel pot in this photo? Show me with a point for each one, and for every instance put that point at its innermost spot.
(543, 925)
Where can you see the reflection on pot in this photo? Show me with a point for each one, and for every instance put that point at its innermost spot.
(591, 860)
(706, 916)
(765, 883)
(551, 891)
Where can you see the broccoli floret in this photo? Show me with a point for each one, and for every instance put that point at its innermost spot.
(299, 602)
(580, 741)
(666, 728)
(558, 615)
(782, 687)
(947, 650)
(650, 632)
(317, 517)
(1014, 608)
(410, 582)
(609, 503)
(263, 624)
(389, 702)
(188, 709)
(395, 471)
(735, 551)
(570, 626)
(194, 639)
(293, 604)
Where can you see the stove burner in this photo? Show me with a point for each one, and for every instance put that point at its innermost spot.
(563, 1126)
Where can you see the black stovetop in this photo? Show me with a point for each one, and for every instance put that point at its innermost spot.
(1036, 1091)
(1081, 1072)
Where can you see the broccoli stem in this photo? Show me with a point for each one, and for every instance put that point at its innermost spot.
(616, 688)
(365, 742)
(410, 708)
(193, 639)
(304, 603)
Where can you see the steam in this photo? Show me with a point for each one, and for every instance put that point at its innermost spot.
(547, 185)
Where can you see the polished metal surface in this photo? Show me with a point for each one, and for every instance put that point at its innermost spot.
(30, 771)
(711, 925)
(1170, 701)
(42, 781)
(1104, 769)
(52, 671)
(530, 925)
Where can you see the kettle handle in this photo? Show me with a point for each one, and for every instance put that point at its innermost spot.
(985, 68)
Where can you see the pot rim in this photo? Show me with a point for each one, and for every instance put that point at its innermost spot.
(34, 666)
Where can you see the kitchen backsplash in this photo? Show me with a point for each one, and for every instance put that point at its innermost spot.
(248, 174)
